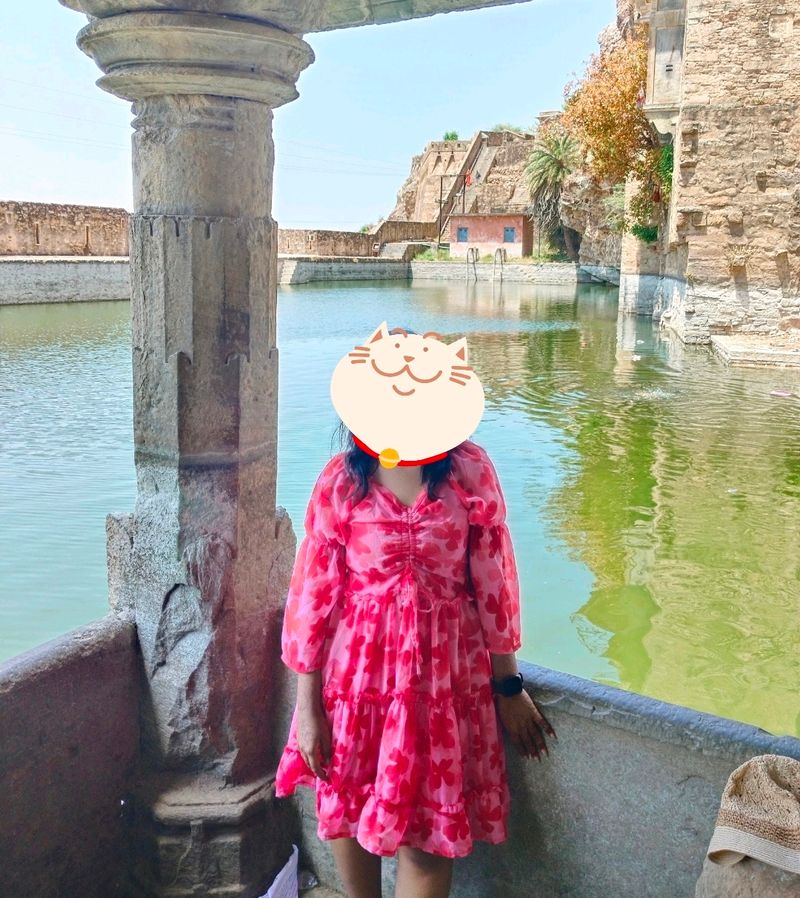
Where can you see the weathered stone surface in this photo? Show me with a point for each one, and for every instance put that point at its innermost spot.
(549, 273)
(624, 805)
(749, 878)
(496, 160)
(300, 18)
(69, 733)
(306, 270)
(152, 54)
(583, 210)
(730, 248)
(32, 279)
(55, 229)
(202, 836)
(204, 561)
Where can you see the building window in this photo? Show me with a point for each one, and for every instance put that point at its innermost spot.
(509, 235)
(462, 235)
(36, 234)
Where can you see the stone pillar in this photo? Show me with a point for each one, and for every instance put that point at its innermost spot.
(204, 560)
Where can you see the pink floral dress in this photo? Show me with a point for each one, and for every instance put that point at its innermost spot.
(400, 607)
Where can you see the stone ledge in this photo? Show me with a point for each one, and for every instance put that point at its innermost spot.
(38, 260)
(111, 634)
(652, 718)
(758, 351)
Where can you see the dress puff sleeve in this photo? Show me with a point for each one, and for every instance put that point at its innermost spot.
(318, 575)
(493, 576)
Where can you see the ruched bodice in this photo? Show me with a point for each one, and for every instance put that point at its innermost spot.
(400, 606)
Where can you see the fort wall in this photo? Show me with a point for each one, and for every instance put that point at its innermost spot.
(52, 229)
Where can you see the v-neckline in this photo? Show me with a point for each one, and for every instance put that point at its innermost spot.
(394, 497)
(397, 499)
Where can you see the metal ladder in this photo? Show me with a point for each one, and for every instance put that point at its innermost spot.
(501, 256)
(472, 259)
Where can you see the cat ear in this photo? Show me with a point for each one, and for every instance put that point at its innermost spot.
(459, 349)
(380, 333)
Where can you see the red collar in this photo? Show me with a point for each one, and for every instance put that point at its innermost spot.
(374, 454)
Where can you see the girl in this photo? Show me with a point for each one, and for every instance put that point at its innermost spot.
(402, 622)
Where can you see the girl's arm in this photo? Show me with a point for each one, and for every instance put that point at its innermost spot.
(309, 690)
(503, 665)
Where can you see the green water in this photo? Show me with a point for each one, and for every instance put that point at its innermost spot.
(654, 501)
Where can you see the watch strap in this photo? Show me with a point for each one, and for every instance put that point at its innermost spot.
(508, 686)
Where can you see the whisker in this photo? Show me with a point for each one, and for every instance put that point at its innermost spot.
(463, 367)
(461, 383)
(464, 377)
(358, 361)
(359, 355)
(365, 348)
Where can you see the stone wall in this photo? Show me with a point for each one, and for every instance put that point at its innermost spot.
(503, 186)
(496, 160)
(63, 279)
(306, 270)
(565, 273)
(624, 806)
(418, 198)
(69, 734)
(731, 258)
(49, 229)
(298, 242)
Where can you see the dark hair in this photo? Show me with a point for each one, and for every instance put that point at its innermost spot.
(361, 465)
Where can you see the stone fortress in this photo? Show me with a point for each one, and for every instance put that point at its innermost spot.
(496, 161)
(724, 86)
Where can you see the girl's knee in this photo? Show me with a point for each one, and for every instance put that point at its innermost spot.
(423, 860)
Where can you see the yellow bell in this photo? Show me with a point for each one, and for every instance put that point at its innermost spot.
(389, 458)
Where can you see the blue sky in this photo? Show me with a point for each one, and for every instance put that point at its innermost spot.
(373, 98)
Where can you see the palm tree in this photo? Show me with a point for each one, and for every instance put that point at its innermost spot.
(554, 156)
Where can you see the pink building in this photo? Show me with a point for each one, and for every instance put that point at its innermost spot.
(488, 232)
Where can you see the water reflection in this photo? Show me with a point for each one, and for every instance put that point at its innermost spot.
(653, 492)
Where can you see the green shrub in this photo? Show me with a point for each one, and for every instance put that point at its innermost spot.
(450, 135)
(666, 163)
(648, 233)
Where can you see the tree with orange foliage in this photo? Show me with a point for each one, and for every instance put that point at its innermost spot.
(604, 110)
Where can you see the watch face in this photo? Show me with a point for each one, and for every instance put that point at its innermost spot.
(510, 685)
(513, 687)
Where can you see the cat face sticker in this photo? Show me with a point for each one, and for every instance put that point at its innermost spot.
(407, 397)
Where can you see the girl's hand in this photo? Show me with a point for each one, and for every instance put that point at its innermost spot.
(525, 724)
(314, 739)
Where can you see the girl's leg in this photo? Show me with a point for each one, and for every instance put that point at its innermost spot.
(422, 875)
(359, 869)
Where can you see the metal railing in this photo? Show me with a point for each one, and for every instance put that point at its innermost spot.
(472, 259)
(500, 257)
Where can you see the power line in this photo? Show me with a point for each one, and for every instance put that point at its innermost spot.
(352, 165)
(56, 138)
(98, 97)
(74, 118)
(336, 151)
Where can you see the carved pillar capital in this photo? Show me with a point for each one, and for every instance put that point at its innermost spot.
(145, 53)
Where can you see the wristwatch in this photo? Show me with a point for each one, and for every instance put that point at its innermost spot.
(508, 686)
